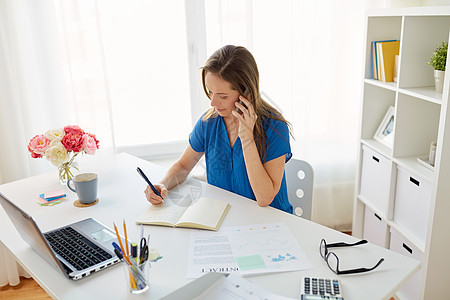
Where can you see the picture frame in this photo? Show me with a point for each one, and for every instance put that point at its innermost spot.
(385, 131)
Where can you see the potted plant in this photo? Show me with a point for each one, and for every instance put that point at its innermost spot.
(438, 61)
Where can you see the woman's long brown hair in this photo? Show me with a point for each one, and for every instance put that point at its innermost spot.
(236, 65)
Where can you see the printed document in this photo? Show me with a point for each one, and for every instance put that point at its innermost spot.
(247, 249)
(210, 252)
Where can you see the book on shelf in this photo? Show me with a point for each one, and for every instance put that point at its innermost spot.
(204, 213)
(383, 59)
(387, 59)
(374, 61)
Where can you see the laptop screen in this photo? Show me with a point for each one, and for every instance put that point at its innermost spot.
(30, 232)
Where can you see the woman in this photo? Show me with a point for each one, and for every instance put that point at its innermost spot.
(244, 139)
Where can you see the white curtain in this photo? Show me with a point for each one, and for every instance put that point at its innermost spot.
(10, 272)
(117, 69)
(25, 93)
(37, 86)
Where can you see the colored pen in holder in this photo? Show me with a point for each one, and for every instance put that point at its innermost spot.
(136, 275)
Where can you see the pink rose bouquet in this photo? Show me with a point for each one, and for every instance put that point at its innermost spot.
(61, 145)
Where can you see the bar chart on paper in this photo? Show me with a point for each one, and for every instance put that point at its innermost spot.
(266, 248)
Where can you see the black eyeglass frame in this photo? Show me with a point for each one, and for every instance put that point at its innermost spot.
(326, 254)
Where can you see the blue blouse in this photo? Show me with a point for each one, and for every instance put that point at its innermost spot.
(225, 166)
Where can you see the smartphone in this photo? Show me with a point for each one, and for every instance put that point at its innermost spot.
(237, 109)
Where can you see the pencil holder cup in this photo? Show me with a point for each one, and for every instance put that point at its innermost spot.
(137, 279)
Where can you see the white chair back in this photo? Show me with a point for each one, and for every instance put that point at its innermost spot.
(299, 180)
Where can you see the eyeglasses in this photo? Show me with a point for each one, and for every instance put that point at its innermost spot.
(333, 261)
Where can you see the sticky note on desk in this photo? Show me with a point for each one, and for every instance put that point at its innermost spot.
(44, 202)
(51, 199)
(54, 194)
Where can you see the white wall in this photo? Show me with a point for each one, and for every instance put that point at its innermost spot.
(403, 3)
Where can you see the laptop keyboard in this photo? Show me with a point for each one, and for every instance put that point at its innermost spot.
(75, 248)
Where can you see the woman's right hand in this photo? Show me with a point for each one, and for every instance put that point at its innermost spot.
(152, 197)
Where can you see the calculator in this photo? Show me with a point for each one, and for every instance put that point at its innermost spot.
(314, 288)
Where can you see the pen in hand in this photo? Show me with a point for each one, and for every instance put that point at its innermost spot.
(149, 183)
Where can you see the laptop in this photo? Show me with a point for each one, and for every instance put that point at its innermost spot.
(77, 250)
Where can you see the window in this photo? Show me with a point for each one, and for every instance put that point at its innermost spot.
(126, 74)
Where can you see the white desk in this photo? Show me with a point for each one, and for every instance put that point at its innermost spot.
(121, 197)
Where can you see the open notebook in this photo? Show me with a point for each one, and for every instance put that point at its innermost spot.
(204, 213)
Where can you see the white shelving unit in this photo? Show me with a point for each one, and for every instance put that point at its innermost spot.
(401, 204)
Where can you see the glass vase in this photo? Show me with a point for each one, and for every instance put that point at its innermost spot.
(67, 171)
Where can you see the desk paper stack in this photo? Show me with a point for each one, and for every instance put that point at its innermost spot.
(51, 197)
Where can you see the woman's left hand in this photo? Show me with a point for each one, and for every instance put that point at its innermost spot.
(247, 119)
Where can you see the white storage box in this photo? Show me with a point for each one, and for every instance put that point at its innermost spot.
(375, 179)
(412, 203)
(411, 289)
(375, 229)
